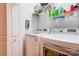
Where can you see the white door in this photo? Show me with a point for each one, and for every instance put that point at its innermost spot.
(13, 21)
(14, 38)
(15, 46)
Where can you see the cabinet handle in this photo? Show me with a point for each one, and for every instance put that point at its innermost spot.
(35, 39)
(14, 40)
(77, 50)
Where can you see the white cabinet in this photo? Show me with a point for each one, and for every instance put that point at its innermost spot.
(13, 21)
(14, 34)
(15, 47)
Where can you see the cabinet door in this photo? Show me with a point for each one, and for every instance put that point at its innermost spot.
(15, 46)
(13, 21)
(32, 46)
(3, 46)
(14, 36)
(15, 49)
(3, 21)
(3, 30)
(24, 8)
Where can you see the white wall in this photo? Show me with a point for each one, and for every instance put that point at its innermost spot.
(71, 21)
(35, 23)
(26, 11)
(44, 20)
